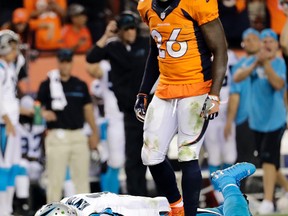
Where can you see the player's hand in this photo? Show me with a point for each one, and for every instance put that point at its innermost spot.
(49, 115)
(111, 29)
(10, 129)
(93, 140)
(210, 107)
(140, 106)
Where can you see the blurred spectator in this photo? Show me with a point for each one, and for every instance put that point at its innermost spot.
(20, 25)
(7, 8)
(127, 53)
(276, 16)
(10, 147)
(32, 156)
(76, 35)
(235, 19)
(37, 7)
(239, 100)
(62, 96)
(267, 116)
(98, 12)
(115, 140)
(257, 14)
(222, 152)
(46, 21)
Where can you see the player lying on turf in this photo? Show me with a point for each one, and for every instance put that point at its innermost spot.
(226, 181)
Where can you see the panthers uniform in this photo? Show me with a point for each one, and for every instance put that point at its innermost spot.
(10, 148)
(113, 135)
(126, 205)
(222, 151)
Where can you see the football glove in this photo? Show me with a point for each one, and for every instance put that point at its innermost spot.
(140, 106)
(210, 107)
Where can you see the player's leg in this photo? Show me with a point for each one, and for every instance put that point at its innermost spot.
(22, 187)
(191, 130)
(246, 148)
(4, 172)
(213, 146)
(13, 153)
(227, 181)
(229, 147)
(115, 142)
(3, 189)
(159, 128)
(68, 186)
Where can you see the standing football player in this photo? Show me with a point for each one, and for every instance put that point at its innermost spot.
(184, 36)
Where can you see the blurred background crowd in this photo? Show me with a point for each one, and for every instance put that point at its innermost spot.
(48, 29)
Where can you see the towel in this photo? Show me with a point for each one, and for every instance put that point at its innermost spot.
(56, 90)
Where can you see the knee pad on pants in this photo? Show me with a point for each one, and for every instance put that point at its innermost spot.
(151, 157)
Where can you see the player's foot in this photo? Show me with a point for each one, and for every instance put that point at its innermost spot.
(177, 211)
(232, 175)
(177, 208)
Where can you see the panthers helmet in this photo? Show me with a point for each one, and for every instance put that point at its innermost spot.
(56, 209)
(6, 37)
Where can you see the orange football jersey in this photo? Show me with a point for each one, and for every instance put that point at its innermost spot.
(184, 58)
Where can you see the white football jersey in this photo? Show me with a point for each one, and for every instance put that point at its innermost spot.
(224, 93)
(9, 101)
(31, 137)
(127, 205)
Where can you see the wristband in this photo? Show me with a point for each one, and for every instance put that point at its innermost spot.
(214, 98)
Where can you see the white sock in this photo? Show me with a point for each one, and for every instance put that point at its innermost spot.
(69, 188)
(9, 196)
(22, 186)
(3, 202)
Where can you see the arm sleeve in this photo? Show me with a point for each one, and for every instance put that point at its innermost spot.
(1, 101)
(3, 110)
(151, 72)
(205, 11)
(96, 54)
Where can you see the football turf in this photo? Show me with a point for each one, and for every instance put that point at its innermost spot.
(276, 214)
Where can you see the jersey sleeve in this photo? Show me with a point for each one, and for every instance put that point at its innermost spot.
(205, 11)
(1, 104)
(3, 110)
(143, 7)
